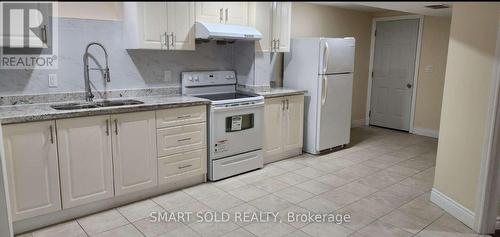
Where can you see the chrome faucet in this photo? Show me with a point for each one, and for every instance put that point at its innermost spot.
(88, 94)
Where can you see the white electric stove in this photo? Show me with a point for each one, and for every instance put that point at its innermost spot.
(235, 122)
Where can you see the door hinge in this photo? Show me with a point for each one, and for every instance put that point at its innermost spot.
(372, 74)
(369, 113)
(375, 33)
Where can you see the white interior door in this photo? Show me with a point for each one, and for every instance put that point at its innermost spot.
(393, 72)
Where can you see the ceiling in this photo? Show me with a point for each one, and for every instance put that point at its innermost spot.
(410, 7)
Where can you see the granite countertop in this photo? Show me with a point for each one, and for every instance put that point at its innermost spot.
(280, 91)
(43, 111)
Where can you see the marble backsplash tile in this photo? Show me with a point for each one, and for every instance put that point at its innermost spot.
(140, 69)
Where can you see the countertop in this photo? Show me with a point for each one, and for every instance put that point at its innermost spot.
(280, 91)
(38, 112)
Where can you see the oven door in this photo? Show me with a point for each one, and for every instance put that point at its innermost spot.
(236, 129)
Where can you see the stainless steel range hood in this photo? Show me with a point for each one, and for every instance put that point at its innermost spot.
(213, 31)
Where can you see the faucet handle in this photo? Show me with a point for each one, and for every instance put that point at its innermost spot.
(106, 75)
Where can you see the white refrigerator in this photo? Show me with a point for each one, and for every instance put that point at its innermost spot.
(324, 67)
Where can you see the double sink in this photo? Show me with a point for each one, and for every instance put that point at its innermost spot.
(98, 104)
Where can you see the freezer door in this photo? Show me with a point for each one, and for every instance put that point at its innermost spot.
(334, 107)
(336, 55)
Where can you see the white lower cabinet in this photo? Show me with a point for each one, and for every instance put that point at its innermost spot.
(283, 126)
(85, 160)
(134, 151)
(32, 169)
(174, 167)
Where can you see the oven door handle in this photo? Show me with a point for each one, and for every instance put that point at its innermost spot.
(248, 106)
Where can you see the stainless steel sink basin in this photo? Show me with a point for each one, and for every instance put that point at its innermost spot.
(98, 104)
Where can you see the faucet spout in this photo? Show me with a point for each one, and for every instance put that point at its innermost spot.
(89, 96)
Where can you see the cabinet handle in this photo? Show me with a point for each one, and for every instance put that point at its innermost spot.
(163, 40)
(227, 15)
(185, 166)
(173, 39)
(107, 127)
(220, 15)
(184, 116)
(283, 105)
(44, 34)
(51, 134)
(277, 44)
(287, 104)
(116, 126)
(183, 140)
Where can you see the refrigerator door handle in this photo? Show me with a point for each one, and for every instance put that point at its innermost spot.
(324, 93)
(326, 56)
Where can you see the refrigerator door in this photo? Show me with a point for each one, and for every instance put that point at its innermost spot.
(336, 55)
(334, 108)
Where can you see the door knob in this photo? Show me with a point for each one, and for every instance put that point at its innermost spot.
(409, 85)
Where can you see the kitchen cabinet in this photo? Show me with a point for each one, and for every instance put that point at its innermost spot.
(175, 167)
(283, 127)
(134, 151)
(159, 25)
(273, 20)
(85, 159)
(32, 169)
(236, 13)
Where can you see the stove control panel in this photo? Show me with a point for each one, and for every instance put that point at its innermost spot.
(208, 78)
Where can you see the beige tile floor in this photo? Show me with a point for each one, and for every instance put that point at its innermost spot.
(383, 180)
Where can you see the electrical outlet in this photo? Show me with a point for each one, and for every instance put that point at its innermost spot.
(52, 80)
(167, 76)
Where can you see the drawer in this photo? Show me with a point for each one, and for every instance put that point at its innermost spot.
(179, 139)
(180, 116)
(177, 166)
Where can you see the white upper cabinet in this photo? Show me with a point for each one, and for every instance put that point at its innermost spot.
(32, 169)
(273, 19)
(85, 160)
(159, 25)
(235, 13)
(134, 151)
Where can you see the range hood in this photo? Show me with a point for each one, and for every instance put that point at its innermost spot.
(213, 31)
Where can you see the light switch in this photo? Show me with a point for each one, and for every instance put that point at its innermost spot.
(52, 80)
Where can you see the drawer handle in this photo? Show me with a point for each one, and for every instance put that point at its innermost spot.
(184, 116)
(185, 166)
(185, 139)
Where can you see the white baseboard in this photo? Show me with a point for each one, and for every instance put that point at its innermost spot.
(425, 132)
(497, 225)
(358, 123)
(454, 208)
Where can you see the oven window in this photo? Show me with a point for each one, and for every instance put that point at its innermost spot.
(239, 122)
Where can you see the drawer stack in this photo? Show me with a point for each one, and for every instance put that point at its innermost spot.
(181, 143)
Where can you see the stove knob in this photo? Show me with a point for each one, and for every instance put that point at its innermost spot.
(190, 78)
(196, 78)
(231, 76)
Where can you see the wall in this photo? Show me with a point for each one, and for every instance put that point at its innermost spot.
(91, 10)
(128, 68)
(431, 72)
(469, 72)
(311, 20)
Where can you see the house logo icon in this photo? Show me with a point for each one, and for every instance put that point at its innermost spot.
(28, 35)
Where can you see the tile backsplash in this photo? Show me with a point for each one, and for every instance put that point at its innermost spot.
(128, 68)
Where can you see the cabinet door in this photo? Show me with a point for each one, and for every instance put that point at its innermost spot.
(281, 23)
(32, 169)
(211, 12)
(273, 128)
(85, 160)
(236, 13)
(294, 122)
(134, 151)
(181, 25)
(153, 22)
(263, 23)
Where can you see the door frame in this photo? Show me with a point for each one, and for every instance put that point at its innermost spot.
(417, 62)
(486, 218)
